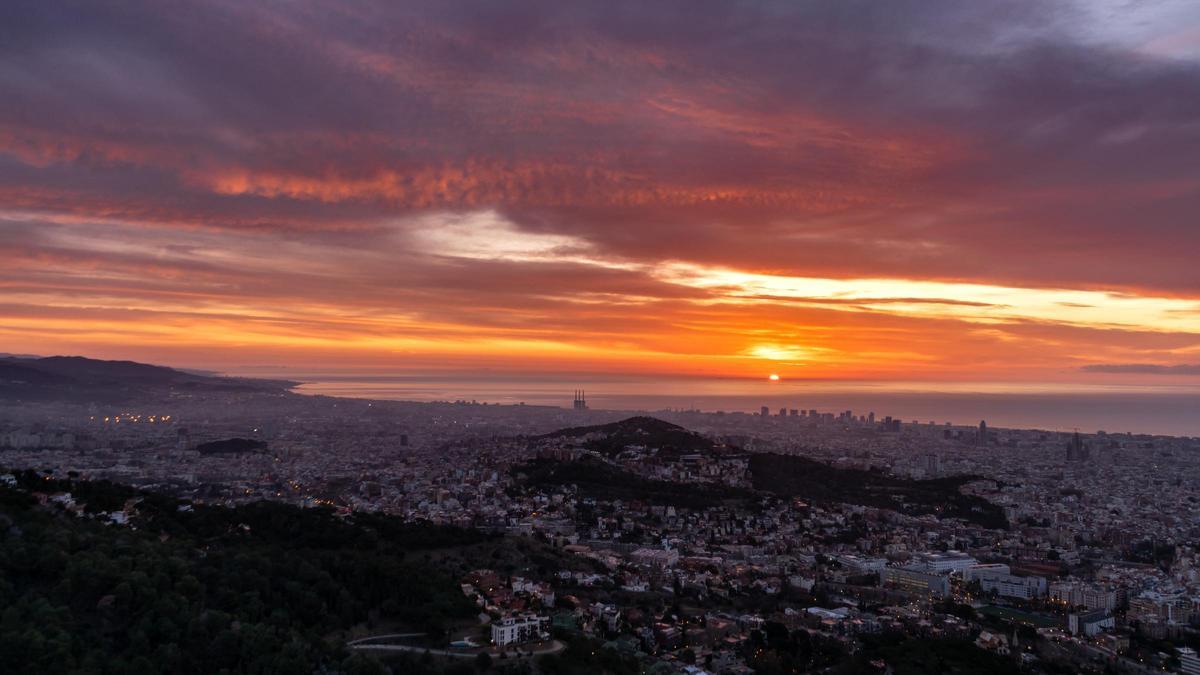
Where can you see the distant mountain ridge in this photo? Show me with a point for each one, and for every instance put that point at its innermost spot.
(80, 379)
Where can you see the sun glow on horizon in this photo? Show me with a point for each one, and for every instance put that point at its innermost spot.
(500, 297)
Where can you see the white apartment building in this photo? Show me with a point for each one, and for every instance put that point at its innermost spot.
(950, 561)
(997, 578)
(1010, 586)
(861, 565)
(517, 629)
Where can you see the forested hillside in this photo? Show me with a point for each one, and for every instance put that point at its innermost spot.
(263, 588)
(794, 476)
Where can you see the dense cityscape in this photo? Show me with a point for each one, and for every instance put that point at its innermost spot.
(685, 540)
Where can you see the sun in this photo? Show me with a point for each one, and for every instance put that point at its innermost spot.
(773, 377)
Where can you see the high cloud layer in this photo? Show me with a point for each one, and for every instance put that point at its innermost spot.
(922, 189)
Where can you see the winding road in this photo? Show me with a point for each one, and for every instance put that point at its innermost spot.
(368, 643)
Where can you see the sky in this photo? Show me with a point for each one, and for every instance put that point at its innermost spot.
(997, 191)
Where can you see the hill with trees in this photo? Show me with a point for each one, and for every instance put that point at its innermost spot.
(601, 480)
(788, 476)
(792, 476)
(612, 438)
(183, 588)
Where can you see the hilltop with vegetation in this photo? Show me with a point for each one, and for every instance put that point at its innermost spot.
(792, 476)
(786, 476)
(600, 480)
(185, 588)
(650, 432)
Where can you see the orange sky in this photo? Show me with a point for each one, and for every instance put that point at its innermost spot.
(916, 192)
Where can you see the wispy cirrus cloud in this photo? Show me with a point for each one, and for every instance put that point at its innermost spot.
(1143, 368)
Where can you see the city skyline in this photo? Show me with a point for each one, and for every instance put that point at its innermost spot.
(921, 192)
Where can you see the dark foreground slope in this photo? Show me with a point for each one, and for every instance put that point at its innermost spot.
(791, 476)
(261, 588)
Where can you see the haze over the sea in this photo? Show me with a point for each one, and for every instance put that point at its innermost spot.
(1166, 409)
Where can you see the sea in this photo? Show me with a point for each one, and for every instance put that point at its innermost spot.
(1166, 409)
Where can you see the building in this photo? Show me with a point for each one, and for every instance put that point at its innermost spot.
(1010, 586)
(517, 629)
(860, 565)
(667, 637)
(983, 569)
(580, 400)
(949, 561)
(931, 464)
(1090, 596)
(654, 557)
(1171, 607)
(998, 578)
(917, 580)
(1189, 661)
(1089, 623)
(1077, 450)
